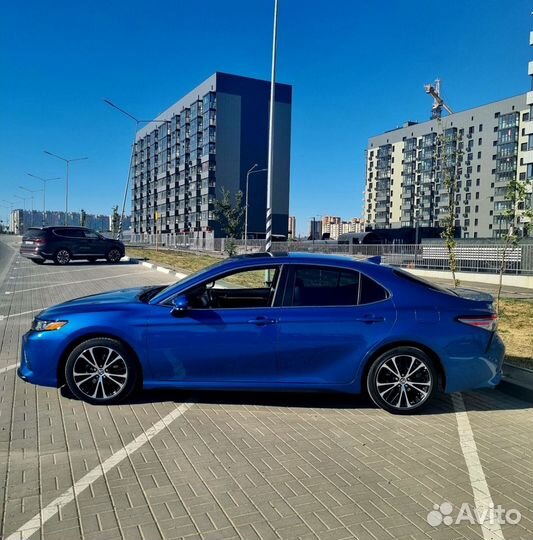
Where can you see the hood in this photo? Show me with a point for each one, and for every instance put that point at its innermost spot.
(94, 302)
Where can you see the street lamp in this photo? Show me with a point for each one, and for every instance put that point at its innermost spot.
(31, 192)
(137, 124)
(68, 162)
(44, 181)
(253, 170)
(268, 231)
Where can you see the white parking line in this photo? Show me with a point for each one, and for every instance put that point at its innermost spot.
(36, 522)
(480, 488)
(4, 317)
(81, 281)
(8, 368)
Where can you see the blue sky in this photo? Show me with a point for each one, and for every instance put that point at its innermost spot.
(357, 68)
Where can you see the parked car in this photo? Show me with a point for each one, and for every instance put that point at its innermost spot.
(286, 322)
(63, 244)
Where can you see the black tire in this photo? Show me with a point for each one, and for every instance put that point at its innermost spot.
(402, 380)
(37, 261)
(113, 256)
(106, 386)
(62, 256)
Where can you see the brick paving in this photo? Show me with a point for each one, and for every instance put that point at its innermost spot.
(238, 465)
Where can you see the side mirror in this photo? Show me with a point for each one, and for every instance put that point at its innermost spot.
(180, 306)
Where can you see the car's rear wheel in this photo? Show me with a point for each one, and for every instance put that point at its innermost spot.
(101, 371)
(37, 261)
(402, 380)
(62, 256)
(114, 256)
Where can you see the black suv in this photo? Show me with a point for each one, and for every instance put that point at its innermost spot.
(63, 244)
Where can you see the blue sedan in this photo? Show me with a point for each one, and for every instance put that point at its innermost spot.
(289, 322)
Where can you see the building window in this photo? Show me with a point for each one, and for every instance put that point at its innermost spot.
(480, 127)
(480, 141)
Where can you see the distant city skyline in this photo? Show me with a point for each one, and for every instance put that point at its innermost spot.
(65, 58)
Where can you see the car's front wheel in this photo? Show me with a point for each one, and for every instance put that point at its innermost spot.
(402, 380)
(114, 256)
(62, 256)
(101, 371)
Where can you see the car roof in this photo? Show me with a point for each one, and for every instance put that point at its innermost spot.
(294, 256)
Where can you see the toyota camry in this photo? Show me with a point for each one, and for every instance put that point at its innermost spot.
(278, 322)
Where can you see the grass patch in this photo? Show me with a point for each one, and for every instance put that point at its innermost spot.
(516, 316)
(181, 261)
(516, 330)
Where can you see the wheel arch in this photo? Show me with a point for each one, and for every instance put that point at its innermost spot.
(403, 343)
(80, 339)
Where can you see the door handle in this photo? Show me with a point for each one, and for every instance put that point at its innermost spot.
(370, 319)
(262, 321)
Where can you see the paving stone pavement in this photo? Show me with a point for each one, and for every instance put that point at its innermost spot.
(238, 465)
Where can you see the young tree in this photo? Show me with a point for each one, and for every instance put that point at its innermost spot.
(449, 159)
(518, 196)
(230, 216)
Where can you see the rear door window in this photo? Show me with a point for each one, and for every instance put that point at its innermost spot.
(69, 233)
(323, 286)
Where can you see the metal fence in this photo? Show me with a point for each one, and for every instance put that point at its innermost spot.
(485, 258)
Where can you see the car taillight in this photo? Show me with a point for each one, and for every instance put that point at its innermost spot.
(38, 241)
(488, 322)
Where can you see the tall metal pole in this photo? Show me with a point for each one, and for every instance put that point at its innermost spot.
(44, 181)
(268, 235)
(66, 198)
(246, 209)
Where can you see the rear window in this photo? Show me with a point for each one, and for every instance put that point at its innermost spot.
(420, 281)
(35, 233)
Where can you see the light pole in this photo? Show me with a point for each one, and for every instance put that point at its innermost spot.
(253, 170)
(68, 162)
(10, 210)
(31, 192)
(44, 181)
(137, 124)
(268, 234)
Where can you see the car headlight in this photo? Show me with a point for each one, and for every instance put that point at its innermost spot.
(47, 326)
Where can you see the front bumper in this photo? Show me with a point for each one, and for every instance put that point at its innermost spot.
(38, 359)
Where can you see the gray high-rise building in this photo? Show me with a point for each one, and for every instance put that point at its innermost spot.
(405, 184)
(206, 143)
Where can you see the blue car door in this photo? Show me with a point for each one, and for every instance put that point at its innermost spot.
(330, 318)
(228, 334)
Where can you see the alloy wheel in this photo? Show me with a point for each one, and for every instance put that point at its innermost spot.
(100, 373)
(114, 256)
(404, 381)
(62, 256)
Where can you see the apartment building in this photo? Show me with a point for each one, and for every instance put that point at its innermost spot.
(204, 144)
(292, 227)
(335, 226)
(489, 146)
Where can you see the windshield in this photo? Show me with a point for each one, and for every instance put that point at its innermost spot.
(158, 297)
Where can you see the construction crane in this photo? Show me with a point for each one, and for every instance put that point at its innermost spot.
(438, 102)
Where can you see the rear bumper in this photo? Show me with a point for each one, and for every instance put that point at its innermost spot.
(472, 372)
(33, 252)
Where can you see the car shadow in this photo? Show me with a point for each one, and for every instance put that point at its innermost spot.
(481, 400)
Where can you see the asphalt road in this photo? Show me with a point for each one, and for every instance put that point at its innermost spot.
(236, 465)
